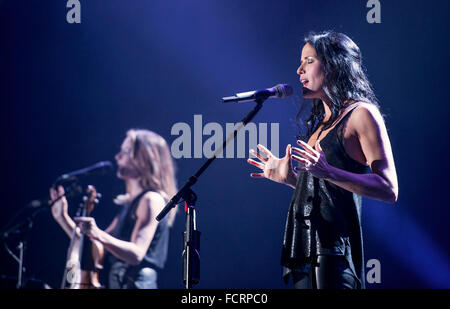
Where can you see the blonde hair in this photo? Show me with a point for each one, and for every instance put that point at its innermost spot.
(151, 157)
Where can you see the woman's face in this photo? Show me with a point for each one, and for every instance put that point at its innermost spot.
(125, 167)
(312, 73)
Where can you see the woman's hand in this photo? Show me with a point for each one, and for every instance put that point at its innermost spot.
(275, 169)
(314, 160)
(88, 227)
(59, 208)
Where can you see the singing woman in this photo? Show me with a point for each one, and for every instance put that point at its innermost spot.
(344, 155)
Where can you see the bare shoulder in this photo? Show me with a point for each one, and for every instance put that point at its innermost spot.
(154, 200)
(151, 203)
(366, 110)
(365, 117)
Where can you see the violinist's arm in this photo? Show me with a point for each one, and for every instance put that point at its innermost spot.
(132, 251)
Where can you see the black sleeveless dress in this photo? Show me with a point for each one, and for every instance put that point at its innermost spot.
(143, 276)
(324, 218)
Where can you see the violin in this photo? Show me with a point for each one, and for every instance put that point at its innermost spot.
(84, 256)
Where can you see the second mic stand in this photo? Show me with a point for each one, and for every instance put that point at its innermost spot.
(191, 243)
(191, 261)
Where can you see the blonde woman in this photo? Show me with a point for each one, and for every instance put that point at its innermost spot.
(137, 243)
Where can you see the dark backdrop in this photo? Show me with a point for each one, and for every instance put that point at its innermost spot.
(69, 92)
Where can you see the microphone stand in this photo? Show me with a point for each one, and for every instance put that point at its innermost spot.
(191, 244)
(191, 237)
(21, 229)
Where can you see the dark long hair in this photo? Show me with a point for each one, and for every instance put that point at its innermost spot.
(345, 78)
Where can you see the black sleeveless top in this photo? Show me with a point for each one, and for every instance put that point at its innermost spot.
(324, 218)
(156, 255)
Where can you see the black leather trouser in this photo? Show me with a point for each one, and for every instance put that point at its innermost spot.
(330, 272)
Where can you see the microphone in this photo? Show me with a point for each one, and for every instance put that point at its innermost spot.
(279, 91)
(36, 204)
(98, 168)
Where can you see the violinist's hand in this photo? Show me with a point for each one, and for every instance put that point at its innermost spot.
(59, 208)
(88, 227)
(275, 169)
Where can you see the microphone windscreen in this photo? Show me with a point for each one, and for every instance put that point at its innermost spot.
(284, 90)
(102, 167)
